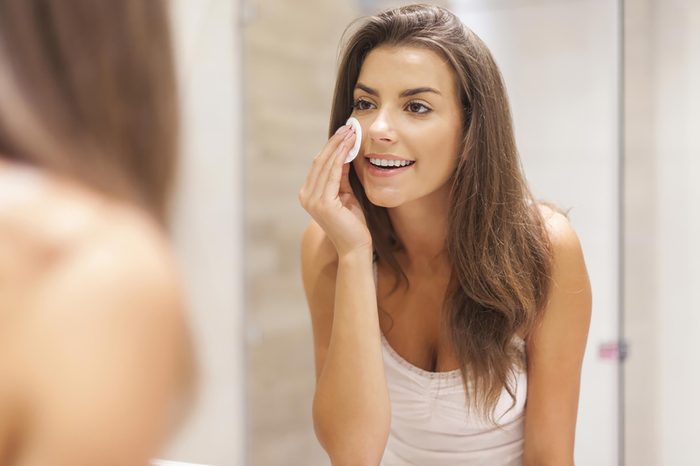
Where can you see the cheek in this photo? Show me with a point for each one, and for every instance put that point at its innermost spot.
(441, 150)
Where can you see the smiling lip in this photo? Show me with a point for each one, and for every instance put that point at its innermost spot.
(386, 157)
(382, 172)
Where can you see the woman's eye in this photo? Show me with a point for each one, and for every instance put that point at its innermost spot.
(417, 107)
(361, 104)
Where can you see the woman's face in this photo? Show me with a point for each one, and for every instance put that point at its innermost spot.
(407, 104)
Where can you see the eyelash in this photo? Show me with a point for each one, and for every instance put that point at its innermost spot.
(356, 106)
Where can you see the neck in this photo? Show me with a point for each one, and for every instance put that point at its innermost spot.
(421, 226)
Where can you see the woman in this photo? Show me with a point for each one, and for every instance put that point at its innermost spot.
(94, 353)
(442, 296)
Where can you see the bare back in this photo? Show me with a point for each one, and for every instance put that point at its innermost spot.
(92, 329)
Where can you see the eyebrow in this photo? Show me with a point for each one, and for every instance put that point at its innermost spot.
(406, 93)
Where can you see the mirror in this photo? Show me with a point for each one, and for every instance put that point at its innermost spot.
(561, 65)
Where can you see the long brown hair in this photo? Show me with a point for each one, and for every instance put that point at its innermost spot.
(496, 240)
(87, 90)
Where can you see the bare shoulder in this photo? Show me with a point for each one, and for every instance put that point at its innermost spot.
(569, 301)
(316, 248)
(61, 221)
(567, 254)
(67, 242)
(123, 252)
(102, 342)
(121, 270)
(319, 259)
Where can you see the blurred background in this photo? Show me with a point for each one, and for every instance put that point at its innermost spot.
(606, 103)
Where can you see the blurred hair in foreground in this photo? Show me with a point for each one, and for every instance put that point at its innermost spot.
(88, 90)
(96, 364)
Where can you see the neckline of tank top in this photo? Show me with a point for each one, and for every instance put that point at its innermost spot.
(432, 375)
(442, 375)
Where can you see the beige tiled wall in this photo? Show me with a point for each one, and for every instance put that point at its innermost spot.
(290, 62)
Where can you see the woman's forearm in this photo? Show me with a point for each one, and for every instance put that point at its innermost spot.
(351, 406)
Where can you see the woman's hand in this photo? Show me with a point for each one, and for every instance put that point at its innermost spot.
(328, 197)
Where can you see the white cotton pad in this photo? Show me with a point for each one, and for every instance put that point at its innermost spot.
(358, 139)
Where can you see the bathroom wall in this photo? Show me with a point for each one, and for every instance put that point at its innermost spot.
(662, 315)
(289, 63)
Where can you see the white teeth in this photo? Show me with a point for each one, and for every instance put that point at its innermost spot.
(390, 163)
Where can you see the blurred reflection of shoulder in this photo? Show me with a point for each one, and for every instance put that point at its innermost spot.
(47, 222)
(92, 318)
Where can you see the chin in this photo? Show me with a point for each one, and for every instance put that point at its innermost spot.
(386, 200)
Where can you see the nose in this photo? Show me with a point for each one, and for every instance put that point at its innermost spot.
(381, 128)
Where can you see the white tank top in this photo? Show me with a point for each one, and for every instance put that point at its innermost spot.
(430, 425)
